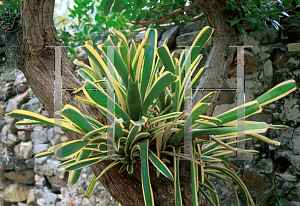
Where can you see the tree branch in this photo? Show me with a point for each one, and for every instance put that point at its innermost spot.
(167, 16)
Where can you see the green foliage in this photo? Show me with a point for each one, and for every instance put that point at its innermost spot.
(271, 199)
(257, 13)
(152, 128)
(10, 34)
(89, 19)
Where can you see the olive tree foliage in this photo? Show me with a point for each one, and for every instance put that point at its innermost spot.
(129, 15)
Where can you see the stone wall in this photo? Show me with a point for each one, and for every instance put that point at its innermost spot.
(273, 59)
(28, 181)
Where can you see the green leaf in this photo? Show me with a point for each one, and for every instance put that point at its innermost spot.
(99, 96)
(235, 21)
(149, 62)
(298, 13)
(178, 199)
(43, 154)
(160, 165)
(84, 163)
(139, 3)
(117, 5)
(147, 189)
(18, 113)
(134, 99)
(75, 175)
(136, 127)
(70, 148)
(254, 128)
(159, 85)
(108, 168)
(277, 92)
(91, 187)
(138, 137)
(250, 19)
(241, 28)
(72, 114)
(165, 56)
(107, 7)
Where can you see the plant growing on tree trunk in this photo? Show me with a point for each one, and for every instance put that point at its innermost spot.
(149, 118)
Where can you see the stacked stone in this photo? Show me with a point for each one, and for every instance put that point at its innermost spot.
(27, 181)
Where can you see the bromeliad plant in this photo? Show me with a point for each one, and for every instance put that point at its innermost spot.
(149, 117)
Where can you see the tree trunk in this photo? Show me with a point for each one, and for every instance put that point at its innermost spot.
(221, 54)
(38, 68)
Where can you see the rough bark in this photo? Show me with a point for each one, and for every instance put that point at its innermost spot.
(221, 54)
(38, 68)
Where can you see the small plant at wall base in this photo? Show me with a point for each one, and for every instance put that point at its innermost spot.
(150, 121)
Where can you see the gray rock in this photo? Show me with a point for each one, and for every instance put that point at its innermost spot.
(294, 194)
(190, 27)
(74, 194)
(265, 56)
(266, 165)
(57, 183)
(140, 35)
(9, 164)
(285, 136)
(13, 103)
(15, 193)
(249, 40)
(265, 36)
(266, 49)
(22, 204)
(32, 105)
(42, 168)
(293, 47)
(19, 166)
(294, 203)
(7, 91)
(30, 163)
(39, 135)
(287, 176)
(187, 39)
(48, 198)
(2, 123)
(20, 79)
(292, 27)
(31, 197)
(59, 172)
(24, 135)
(291, 109)
(50, 135)
(268, 68)
(171, 34)
(25, 150)
(5, 130)
(22, 87)
(283, 153)
(38, 148)
(82, 56)
(24, 177)
(281, 60)
(12, 139)
(295, 160)
(40, 181)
